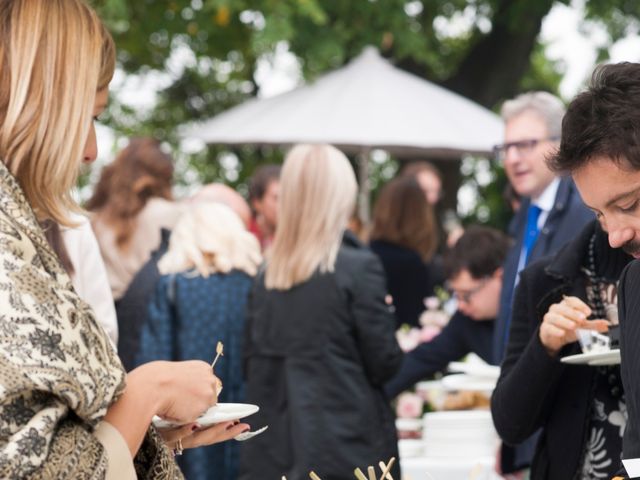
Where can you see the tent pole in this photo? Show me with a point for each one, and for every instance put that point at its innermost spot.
(364, 187)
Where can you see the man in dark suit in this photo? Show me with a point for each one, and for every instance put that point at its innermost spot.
(551, 213)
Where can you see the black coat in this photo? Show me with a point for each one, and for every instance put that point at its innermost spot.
(317, 356)
(629, 312)
(410, 280)
(461, 336)
(537, 391)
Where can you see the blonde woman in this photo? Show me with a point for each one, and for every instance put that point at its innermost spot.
(200, 299)
(320, 339)
(67, 408)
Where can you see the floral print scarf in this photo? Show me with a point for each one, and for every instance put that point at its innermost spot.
(58, 370)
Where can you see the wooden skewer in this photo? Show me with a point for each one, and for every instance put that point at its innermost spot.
(313, 475)
(359, 475)
(386, 469)
(219, 353)
(372, 473)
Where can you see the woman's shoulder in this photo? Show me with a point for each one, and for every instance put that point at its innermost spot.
(358, 265)
(232, 279)
(394, 251)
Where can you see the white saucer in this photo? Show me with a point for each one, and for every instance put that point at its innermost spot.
(463, 381)
(607, 357)
(475, 369)
(221, 412)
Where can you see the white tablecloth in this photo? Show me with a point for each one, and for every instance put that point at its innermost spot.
(420, 468)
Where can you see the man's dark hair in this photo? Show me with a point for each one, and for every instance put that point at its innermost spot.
(603, 121)
(480, 251)
(261, 179)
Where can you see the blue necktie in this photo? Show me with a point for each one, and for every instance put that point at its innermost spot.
(528, 241)
(531, 233)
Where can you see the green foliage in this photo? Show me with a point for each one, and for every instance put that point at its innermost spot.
(209, 50)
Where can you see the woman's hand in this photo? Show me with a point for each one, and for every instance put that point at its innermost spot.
(185, 389)
(559, 324)
(192, 436)
(178, 391)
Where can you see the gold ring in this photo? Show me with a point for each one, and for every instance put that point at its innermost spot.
(178, 448)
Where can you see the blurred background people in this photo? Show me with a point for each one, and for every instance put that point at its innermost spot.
(474, 272)
(264, 187)
(551, 211)
(549, 215)
(320, 338)
(132, 202)
(405, 238)
(429, 178)
(133, 306)
(200, 299)
(221, 193)
(580, 409)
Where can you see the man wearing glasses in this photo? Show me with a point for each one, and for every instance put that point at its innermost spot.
(551, 213)
(474, 271)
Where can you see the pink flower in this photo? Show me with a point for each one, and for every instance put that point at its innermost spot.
(432, 303)
(438, 318)
(409, 405)
(408, 339)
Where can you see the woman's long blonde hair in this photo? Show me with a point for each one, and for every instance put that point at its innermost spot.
(211, 238)
(54, 56)
(317, 194)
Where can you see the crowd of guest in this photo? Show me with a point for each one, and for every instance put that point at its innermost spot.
(111, 315)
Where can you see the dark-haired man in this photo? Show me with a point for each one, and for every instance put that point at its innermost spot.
(600, 148)
(474, 271)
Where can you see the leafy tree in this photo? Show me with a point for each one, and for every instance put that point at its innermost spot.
(210, 50)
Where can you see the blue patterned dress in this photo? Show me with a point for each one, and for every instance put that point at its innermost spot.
(188, 315)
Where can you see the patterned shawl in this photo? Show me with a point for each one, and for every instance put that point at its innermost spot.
(58, 370)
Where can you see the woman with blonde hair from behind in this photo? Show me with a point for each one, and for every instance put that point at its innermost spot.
(67, 408)
(320, 339)
(200, 299)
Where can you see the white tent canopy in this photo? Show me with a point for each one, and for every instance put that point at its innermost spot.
(366, 104)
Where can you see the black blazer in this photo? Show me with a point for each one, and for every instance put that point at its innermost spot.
(629, 316)
(317, 357)
(409, 279)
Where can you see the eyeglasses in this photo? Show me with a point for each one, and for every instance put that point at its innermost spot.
(523, 147)
(466, 295)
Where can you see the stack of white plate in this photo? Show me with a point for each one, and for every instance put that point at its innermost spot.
(459, 434)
